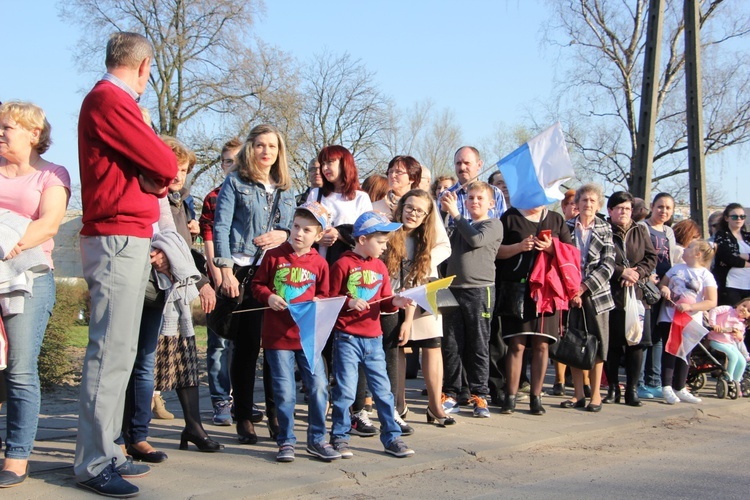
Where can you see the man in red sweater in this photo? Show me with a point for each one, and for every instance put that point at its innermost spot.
(124, 166)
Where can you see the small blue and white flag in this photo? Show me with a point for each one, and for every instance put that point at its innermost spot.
(315, 319)
(535, 171)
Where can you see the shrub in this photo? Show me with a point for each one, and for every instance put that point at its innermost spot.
(54, 362)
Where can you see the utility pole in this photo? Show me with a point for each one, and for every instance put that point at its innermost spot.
(696, 159)
(644, 156)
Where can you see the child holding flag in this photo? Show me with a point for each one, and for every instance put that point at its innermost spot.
(687, 288)
(357, 340)
(295, 272)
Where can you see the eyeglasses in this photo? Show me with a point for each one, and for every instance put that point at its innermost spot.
(738, 217)
(398, 173)
(408, 210)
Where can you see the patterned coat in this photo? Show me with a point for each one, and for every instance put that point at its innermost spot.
(600, 263)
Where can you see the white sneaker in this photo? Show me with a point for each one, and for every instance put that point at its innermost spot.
(685, 396)
(669, 396)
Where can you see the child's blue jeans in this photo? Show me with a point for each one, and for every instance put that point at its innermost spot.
(281, 363)
(349, 351)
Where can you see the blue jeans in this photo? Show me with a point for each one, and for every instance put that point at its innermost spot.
(140, 390)
(651, 370)
(218, 359)
(349, 351)
(281, 363)
(25, 334)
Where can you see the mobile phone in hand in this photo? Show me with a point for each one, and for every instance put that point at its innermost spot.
(545, 234)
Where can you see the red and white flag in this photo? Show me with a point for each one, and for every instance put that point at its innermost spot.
(684, 335)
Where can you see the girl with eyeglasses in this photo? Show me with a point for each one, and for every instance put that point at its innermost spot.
(731, 267)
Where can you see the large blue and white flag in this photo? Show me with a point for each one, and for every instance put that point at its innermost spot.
(315, 319)
(535, 171)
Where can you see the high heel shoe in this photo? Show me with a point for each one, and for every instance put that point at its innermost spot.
(535, 404)
(439, 421)
(205, 444)
(631, 397)
(246, 436)
(581, 403)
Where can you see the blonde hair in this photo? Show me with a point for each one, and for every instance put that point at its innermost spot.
(249, 171)
(703, 251)
(31, 117)
(183, 154)
(476, 185)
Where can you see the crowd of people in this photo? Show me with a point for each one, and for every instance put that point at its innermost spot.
(266, 249)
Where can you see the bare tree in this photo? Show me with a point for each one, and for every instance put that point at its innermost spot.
(341, 104)
(598, 98)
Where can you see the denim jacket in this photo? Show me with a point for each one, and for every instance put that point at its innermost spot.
(242, 215)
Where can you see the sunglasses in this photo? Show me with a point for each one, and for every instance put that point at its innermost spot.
(738, 217)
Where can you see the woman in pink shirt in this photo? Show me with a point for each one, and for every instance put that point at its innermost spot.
(38, 190)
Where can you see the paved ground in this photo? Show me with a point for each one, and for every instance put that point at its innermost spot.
(619, 453)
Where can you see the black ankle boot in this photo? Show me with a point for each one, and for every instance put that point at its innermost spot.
(509, 404)
(631, 397)
(535, 403)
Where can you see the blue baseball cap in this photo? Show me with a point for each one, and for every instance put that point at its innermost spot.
(318, 211)
(373, 222)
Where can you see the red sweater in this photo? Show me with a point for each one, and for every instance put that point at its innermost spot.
(361, 278)
(114, 146)
(295, 279)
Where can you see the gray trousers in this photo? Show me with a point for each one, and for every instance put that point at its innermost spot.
(116, 270)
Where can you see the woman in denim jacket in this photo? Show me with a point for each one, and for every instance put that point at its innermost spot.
(243, 230)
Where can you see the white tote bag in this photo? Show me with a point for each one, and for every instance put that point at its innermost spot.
(634, 312)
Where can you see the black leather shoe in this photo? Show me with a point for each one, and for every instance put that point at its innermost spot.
(587, 391)
(110, 483)
(594, 408)
(535, 404)
(9, 479)
(204, 444)
(631, 397)
(509, 405)
(152, 457)
(581, 403)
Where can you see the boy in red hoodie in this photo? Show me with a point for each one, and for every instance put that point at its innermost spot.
(358, 338)
(295, 272)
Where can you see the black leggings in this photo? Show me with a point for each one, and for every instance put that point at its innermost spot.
(674, 370)
(633, 354)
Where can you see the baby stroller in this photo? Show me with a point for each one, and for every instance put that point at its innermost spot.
(701, 362)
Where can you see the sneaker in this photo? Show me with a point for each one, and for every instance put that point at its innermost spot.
(644, 393)
(110, 483)
(406, 430)
(669, 396)
(480, 406)
(449, 404)
(524, 387)
(399, 449)
(285, 454)
(655, 391)
(130, 469)
(323, 451)
(521, 397)
(343, 448)
(222, 413)
(361, 425)
(685, 396)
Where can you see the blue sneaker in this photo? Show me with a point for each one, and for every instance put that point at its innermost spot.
(110, 483)
(644, 393)
(130, 469)
(655, 391)
(222, 413)
(450, 405)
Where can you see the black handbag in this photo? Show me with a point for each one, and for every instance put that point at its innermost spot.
(511, 299)
(577, 347)
(651, 294)
(222, 321)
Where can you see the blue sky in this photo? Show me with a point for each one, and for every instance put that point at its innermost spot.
(481, 58)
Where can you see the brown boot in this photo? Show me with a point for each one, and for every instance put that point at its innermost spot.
(158, 408)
